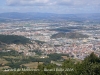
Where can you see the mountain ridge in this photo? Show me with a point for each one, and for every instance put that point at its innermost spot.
(37, 15)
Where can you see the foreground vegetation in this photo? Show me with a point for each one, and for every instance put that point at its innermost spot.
(14, 59)
(89, 66)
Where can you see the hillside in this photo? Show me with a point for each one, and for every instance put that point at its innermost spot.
(89, 66)
(59, 35)
(72, 35)
(10, 39)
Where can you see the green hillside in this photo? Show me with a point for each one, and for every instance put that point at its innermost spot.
(9, 39)
(89, 66)
(72, 35)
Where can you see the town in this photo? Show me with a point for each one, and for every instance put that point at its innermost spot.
(43, 31)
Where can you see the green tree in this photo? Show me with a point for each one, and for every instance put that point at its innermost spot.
(89, 66)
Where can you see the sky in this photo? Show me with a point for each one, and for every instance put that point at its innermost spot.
(51, 6)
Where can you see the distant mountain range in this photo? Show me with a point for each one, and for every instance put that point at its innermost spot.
(39, 16)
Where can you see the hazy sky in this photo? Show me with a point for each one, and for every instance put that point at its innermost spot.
(51, 6)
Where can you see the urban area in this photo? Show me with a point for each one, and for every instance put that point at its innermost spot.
(78, 39)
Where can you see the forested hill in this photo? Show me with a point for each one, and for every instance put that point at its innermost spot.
(10, 39)
(72, 35)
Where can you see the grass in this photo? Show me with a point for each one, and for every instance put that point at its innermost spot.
(32, 64)
(3, 61)
(64, 57)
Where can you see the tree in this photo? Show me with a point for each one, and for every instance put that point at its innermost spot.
(90, 65)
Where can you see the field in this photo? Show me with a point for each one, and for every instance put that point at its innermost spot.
(2, 64)
(32, 64)
(3, 61)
